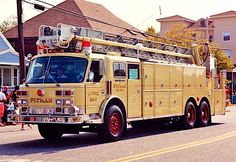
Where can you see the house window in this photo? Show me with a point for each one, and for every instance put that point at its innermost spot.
(119, 70)
(210, 39)
(7, 76)
(226, 36)
(228, 53)
(203, 23)
(15, 76)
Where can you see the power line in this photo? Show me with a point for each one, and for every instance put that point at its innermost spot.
(64, 10)
(67, 11)
(84, 16)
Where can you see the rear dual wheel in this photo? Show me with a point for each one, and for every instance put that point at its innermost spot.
(204, 115)
(190, 116)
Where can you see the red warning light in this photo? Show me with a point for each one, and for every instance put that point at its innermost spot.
(40, 92)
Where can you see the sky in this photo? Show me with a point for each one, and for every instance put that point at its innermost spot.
(139, 13)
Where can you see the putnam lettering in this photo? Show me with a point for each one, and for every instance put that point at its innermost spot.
(41, 100)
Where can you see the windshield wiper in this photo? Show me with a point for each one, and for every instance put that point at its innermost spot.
(51, 77)
(47, 73)
(27, 84)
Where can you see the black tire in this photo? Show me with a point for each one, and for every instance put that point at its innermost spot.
(204, 115)
(114, 125)
(190, 116)
(50, 132)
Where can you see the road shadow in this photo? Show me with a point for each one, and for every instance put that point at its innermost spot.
(80, 141)
(161, 128)
(43, 146)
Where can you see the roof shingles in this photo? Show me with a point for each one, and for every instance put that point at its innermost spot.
(52, 17)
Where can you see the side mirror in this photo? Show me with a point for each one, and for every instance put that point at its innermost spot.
(101, 67)
(91, 76)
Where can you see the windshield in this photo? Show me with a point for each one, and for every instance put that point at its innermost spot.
(57, 69)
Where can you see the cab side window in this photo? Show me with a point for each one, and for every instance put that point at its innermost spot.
(133, 71)
(95, 70)
(119, 69)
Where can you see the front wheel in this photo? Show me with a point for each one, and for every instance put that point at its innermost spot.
(114, 124)
(50, 132)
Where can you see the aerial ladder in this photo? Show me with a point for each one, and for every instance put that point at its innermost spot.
(68, 38)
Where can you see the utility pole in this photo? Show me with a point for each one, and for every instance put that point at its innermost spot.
(21, 41)
(207, 29)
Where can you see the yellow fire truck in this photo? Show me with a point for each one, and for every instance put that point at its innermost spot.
(87, 80)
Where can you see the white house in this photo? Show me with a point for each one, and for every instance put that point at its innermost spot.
(9, 63)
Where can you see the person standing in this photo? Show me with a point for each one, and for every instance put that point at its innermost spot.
(13, 94)
(2, 100)
(6, 104)
(5, 91)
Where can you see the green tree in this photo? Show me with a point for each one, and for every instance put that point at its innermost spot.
(151, 30)
(180, 36)
(223, 61)
(8, 24)
(153, 35)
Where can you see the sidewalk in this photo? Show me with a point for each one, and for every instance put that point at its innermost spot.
(231, 107)
(15, 128)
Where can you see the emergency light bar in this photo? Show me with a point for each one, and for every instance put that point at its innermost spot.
(53, 37)
(48, 35)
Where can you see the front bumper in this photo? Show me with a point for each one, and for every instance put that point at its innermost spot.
(52, 119)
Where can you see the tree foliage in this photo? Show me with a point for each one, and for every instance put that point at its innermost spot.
(223, 61)
(153, 35)
(8, 24)
(183, 37)
(151, 30)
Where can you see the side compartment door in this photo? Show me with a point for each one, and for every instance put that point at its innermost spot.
(148, 90)
(134, 90)
(219, 105)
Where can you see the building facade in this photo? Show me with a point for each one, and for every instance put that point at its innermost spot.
(168, 23)
(218, 28)
(225, 33)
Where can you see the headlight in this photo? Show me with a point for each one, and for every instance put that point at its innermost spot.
(68, 102)
(18, 101)
(72, 110)
(59, 101)
(22, 101)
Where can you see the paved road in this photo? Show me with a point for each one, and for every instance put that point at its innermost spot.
(213, 143)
